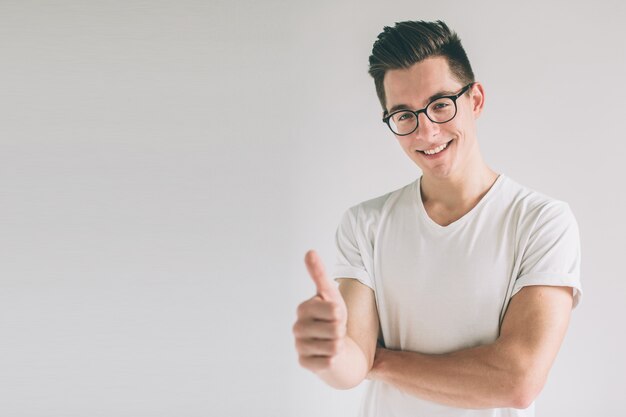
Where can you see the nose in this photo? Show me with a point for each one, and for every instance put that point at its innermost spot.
(426, 131)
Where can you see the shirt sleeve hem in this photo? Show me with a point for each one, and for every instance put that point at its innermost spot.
(552, 279)
(343, 271)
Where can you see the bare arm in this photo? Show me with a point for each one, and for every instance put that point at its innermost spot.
(336, 330)
(507, 373)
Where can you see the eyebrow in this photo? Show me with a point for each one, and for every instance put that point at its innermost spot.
(431, 98)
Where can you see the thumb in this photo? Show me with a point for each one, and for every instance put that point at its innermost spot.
(325, 288)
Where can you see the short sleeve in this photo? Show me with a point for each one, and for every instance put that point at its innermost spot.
(552, 253)
(352, 256)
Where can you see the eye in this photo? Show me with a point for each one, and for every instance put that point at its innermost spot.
(442, 105)
(403, 117)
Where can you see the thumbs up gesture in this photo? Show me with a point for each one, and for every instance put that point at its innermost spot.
(320, 329)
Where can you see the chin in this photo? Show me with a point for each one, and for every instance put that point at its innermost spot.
(439, 173)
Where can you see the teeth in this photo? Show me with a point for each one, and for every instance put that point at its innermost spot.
(436, 150)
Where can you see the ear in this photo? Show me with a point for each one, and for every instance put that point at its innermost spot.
(477, 97)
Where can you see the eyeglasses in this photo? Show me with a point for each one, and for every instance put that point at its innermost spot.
(440, 110)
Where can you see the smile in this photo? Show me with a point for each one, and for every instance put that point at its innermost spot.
(436, 150)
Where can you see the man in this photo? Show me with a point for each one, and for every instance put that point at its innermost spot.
(464, 277)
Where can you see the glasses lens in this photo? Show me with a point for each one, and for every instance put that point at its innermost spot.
(441, 110)
(403, 123)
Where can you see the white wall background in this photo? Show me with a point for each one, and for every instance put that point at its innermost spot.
(164, 166)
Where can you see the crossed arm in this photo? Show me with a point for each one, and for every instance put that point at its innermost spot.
(509, 372)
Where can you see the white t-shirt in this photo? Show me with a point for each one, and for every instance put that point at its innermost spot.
(440, 289)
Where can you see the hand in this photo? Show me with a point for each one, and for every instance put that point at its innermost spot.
(320, 329)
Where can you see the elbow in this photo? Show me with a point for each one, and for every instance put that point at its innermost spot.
(347, 382)
(348, 386)
(522, 401)
(526, 390)
(341, 383)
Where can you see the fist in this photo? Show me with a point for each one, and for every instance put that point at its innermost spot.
(320, 328)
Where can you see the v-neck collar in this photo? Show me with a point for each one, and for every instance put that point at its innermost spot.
(465, 218)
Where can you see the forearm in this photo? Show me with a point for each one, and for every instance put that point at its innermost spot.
(487, 376)
(348, 369)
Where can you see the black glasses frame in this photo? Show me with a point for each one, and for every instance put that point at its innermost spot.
(453, 97)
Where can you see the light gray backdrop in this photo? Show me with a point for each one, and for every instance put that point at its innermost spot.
(164, 166)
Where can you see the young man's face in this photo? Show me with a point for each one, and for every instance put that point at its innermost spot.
(413, 89)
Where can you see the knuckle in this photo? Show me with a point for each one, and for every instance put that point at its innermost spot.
(296, 329)
(298, 345)
(302, 361)
(301, 310)
(300, 329)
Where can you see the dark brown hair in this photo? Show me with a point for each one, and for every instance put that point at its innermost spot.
(410, 42)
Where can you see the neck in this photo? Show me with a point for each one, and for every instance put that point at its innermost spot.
(457, 193)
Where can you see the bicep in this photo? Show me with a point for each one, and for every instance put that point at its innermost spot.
(363, 324)
(534, 327)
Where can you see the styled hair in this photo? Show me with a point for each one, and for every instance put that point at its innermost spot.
(410, 42)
